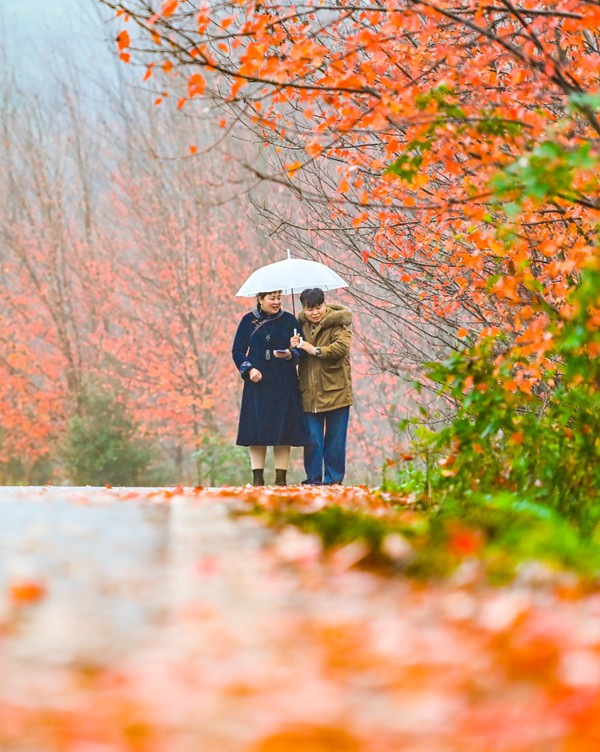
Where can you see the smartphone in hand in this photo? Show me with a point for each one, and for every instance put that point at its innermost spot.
(281, 352)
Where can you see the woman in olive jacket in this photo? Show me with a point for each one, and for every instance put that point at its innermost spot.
(326, 385)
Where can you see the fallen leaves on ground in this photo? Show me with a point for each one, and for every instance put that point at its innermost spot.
(179, 621)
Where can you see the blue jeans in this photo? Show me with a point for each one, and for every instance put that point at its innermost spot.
(326, 446)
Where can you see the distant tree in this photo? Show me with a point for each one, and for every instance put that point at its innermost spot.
(449, 149)
(103, 445)
(119, 260)
(53, 297)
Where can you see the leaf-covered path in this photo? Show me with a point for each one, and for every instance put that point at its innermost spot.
(142, 620)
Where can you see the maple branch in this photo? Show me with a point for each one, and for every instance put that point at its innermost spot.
(556, 76)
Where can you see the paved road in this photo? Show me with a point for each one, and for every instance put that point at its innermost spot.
(116, 564)
(134, 620)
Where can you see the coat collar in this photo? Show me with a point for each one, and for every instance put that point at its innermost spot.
(262, 316)
(336, 315)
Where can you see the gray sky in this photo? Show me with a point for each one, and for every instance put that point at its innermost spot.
(38, 37)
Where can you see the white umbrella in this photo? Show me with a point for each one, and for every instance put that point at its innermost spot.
(290, 276)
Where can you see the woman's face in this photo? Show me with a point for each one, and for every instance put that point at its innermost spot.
(316, 314)
(271, 302)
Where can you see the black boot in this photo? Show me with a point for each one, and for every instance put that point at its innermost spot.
(280, 477)
(258, 477)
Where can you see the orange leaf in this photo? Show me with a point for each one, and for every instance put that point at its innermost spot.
(239, 82)
(123, 39)
(463, 541)
(196, 85)
(193, 149)
(302, 738)
(25, 592)
(169, 7)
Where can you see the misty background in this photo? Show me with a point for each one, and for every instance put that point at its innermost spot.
(120, 258)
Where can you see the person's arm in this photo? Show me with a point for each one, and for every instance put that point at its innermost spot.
(239, 350)
(338, 348)
(295, 340)
(297, 344)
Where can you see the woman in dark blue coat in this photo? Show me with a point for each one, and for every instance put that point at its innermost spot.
(271, 412)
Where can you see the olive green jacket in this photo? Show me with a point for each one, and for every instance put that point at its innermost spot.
(326, 381)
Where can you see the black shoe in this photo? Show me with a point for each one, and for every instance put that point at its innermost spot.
(258, 477)
(311, 483)
(280, 477)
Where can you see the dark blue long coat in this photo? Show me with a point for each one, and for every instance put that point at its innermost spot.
(271, 412)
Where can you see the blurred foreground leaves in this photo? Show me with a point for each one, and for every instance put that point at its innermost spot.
(284, 619)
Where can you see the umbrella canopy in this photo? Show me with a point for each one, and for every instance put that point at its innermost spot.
(290, 276)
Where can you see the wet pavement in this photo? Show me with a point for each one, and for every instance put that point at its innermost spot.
(154, 621)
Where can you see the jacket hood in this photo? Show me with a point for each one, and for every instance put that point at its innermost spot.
(337, 315)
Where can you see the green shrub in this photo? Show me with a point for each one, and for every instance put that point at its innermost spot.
(543, 445)
(102, 445)
(501, 532)
(18, 471)
(220, 462)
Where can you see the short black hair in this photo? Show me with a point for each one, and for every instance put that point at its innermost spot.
(312, 298)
